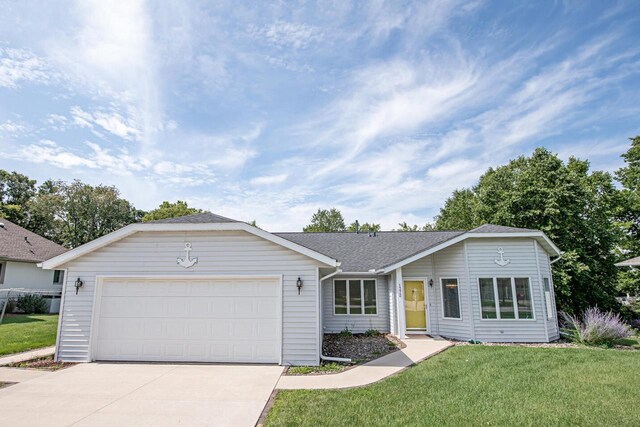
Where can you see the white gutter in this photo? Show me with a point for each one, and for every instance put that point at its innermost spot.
(322, 356)
(557, 259)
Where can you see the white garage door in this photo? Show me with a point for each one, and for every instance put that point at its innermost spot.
(195, 320)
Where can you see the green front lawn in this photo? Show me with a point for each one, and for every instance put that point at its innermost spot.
(25, 332)
(483, 385)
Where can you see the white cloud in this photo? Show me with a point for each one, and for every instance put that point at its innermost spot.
(18, 66)
(286, 35)
(12, 127)
(269, 179)
(111, 121)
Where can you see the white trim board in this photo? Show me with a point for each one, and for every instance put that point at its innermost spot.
(154, 227)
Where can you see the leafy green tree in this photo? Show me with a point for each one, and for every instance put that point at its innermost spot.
(365, 228)
(170, 210)
(574, 207)
(403, 226)
(326, 221)
(629, 216)
(75, 213)
(460, 211)
(16, 190)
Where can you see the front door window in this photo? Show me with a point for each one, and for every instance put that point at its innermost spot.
(414, 305)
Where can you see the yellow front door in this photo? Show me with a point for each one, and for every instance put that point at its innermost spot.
(414, 305)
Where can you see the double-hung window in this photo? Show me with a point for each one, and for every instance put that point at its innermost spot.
(58, 277)
(505, 298)
(355, 297)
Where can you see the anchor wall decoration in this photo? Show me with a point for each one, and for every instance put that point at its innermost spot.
(501, 262)
(187, 261)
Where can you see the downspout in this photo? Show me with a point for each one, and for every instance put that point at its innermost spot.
(322, 356)
(555, 260)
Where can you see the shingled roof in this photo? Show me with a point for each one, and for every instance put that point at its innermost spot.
(199, 218)
(361, 253)
(19, 244)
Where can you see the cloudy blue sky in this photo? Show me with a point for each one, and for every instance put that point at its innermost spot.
(270, 111)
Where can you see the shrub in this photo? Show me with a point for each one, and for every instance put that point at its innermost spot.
(11, 305)
(372, 333)
(595, 327)
(32, 304)
(345, 332)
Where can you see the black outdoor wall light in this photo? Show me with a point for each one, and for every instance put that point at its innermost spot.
(78, 285)
(431, 283)
(299, 284)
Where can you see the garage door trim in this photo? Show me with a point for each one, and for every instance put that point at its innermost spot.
(97, 296)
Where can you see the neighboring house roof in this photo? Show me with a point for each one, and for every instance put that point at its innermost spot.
(633, 262)
(361, 253)
(352, 252)
(20, 244)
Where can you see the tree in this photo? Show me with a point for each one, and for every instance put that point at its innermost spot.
(15, 191)
(326, 221)
(628, 216)
(460, 211)
(365, 228)
(406, 227)
(75, 213)
(573, 207)
(170, 210)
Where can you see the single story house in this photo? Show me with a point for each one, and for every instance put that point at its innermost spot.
(20, 252)
(205, 288)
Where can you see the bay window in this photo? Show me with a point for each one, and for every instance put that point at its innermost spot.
(505, 298)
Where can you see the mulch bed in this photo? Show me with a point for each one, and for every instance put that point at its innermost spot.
(3, 385)
(359, 348)
(45, 363)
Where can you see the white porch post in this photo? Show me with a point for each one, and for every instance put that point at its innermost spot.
(402, 324)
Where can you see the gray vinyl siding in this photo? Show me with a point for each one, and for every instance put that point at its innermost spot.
(521, 253)
(545, 270)
(219, 253)
(468, 261)
(355, 323)
(447, 263)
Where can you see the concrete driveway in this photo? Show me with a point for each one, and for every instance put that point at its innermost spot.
(114, 394)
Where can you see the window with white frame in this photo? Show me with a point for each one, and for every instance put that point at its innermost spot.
(505, 298)
(450, 298)
(3, 267)
(355, 297)
(58, 277)
(547, 297)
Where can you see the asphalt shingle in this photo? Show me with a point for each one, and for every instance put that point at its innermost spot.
(19, 244)
(361, 253)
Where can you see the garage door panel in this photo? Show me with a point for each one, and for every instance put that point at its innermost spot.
(189, 320)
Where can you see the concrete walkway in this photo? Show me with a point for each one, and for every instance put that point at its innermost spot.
(27, 355)
(417, 349)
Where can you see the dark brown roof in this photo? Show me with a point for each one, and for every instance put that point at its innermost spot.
(19, 244)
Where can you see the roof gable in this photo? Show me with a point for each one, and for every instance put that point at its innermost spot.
(20, 244)
(184, 226)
